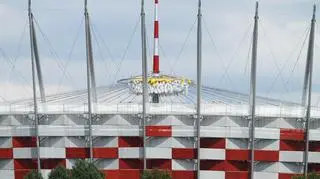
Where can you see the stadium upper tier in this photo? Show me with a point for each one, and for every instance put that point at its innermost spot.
(120, 99)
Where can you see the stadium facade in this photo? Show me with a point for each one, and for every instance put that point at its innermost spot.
(192, 131)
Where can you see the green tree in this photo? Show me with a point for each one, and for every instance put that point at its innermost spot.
(155, 174)
(33, 175)
(313, 175)
(86, 170)
(59, 172)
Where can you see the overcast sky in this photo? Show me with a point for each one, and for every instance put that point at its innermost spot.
(227, 35)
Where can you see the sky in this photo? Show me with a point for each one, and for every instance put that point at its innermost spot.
(227, 34)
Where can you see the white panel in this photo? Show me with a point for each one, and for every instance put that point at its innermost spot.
(314, 157)
(75, 142)
(26, 153)
(185, 120)
(46, 152)
(17, 131)
(158, 153)
(212, 154)
(215, 121)
(285, 167)
(6, 164)
(129, 131)
(213, 132)
(265, 133)
(56, 142)
(236, 122)
(269, 167)
(183, 165)
(159, 142)
(262, 144)
(7, 174)
(130, 152)
(183, 131)
(212, 174)
(105, 142)
(236, 143)
(48, 130)
(183, 142)
(5, 142)
(290, 156)
(107, 164)
(314, 135)
(265, 175)
(237, 132)
(160, 120)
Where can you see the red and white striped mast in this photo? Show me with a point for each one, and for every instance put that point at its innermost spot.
(156, 59)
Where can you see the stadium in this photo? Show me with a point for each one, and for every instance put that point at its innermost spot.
(158, 121)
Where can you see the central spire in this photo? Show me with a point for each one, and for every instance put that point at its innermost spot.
(156, 59)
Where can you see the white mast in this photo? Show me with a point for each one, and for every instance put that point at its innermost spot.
(308, 81)
(35, 57)
(252, 100)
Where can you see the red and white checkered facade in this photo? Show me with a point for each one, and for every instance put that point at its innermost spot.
(170, 145)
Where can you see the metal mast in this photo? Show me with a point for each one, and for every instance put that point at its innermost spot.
(199, 68)
(145, 81)
(253, 89)
(90, 75)
(33, 56)
(156, 58)
(309, 70)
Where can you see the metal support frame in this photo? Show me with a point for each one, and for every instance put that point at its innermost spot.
(199, 68)
(145, 81)
(34, 55)
(90, 76)
(252, 99)
(308, 78)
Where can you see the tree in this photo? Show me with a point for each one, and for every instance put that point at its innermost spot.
(33, 175)
(86, 170)
(155, 174)
(313, 175)
(59, 172)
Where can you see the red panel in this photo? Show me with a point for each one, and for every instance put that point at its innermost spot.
(184, 153)
(130, 164)
(6, 153)
(313, 167)
(237, 155)
(132, 174)
(79, 153)
(270, 156)
(52, 163)
(25, 164)
(236, 166)
(286, 176)
(237, 175)
(122, 174)
(292, 134)
(159, 164)
(130, 142)
(213, 143)
(159, 131)
(21, 142)
(184, 175)
(105, 152)
(289, 145)
(19, 174)
(216, 165)
(314, 146)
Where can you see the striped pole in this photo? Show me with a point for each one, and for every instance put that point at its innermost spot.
(156, 40)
